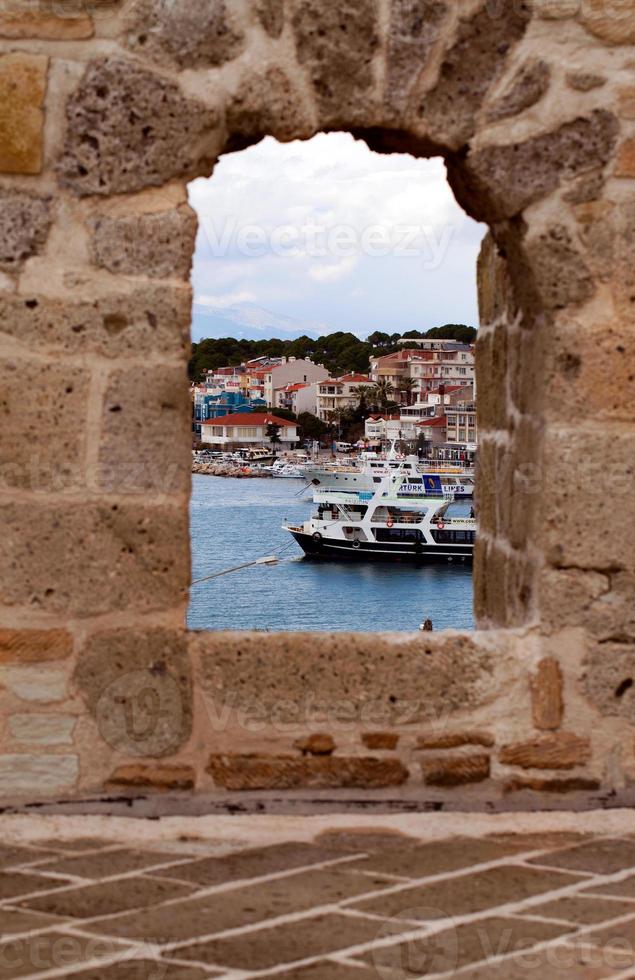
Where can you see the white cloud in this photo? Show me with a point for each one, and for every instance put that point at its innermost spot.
(223, 300)
(333, 273)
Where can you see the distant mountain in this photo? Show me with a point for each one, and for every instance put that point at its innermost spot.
(247, 321)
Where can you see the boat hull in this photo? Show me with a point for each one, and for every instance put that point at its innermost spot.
(325, 549)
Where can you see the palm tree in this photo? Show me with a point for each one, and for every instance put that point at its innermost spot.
(407, 386)
(385, 389)
(363, 393)
(273, 435)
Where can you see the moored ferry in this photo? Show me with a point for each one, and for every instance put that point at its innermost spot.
(398, 522)
(455, 482)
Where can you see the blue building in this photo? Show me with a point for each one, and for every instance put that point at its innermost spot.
(208, 406)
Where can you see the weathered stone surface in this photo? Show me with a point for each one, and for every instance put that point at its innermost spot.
(609, 679)
(42, 729)
(561, 750)
(469, 69)
(24, 225)
(129, 128)
(415, 29)
(271, 16)
(587, 187)
(495, 291)
(22, 91)
(146, 423)
(454, 740)
(505, 179)
(491, 379)
(585, 81)
(42, 450)
(36, 777)
(504, 586)
(603, 605)
(187, 34)
(575, 784)
(251, 772)
(137, 688)
(445, 770)
(34, 646)
(376, 741)
(556, 9)
(613, 21)
(577, 465)
(156, 245)
(324, 678)
(546, 695)
(46, 685)
(100, 557)
(626, 98)
(316, 744)
(561, 275)
(526, 88)
(625, 166)
(155, 319)
(268, 104)
(161, 777)
(16, 22)
(108, 898)
(337, 43)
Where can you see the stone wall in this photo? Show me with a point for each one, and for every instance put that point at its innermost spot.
(107, 109)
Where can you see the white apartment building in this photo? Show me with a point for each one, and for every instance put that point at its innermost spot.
(338, 394)
(439, 362)
(248, 429)
(291, 371)
(298, 398)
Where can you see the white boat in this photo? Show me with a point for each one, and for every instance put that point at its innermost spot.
(398, 522)
(286, 470)
(370, 472)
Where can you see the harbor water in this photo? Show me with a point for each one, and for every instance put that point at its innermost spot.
(238, 521)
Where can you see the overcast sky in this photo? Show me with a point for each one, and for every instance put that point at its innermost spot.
(328, 232)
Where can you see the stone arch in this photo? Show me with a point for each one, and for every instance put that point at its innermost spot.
(145, 97)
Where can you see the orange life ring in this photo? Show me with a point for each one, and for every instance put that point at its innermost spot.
(389, 522)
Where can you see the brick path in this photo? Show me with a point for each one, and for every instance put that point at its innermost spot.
(346, 905)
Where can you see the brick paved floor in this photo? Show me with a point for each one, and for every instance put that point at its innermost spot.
(369, 904)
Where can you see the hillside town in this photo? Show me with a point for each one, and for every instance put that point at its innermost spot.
(421, 395)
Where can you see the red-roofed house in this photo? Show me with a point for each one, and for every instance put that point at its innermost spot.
(336, 394)
(249, 429)
(298, 397)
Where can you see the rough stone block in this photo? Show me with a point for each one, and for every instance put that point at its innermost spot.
(561, 275)
(625, 166)
(161, 777)
(454, 740)
(579, 465)
(155, 319)
(559, 750)
(271, 16)
(575, 784)
(337, 43)
(329, 679)
(187, 34)
(18, 23)
(626, 98)
(609, 679)
(527, 87)
(445, 770)
(546, 695)
(34, 646)
(376, 741)
(316, 744)
(38, 729)
(504, 585)
(587, 187)
(505, 179)
(93, 558)
(253, 772)
(602, 604)
(613, 21)
(584, 81)
(43, 449)
(495, 291)
(468, 70)
(24, 225)
(156, 245)
(37, 777)
(110, 149)
(137, 688)
(415, 30)
(145, 435)
(46, 685)
(22, 91)
(556, 9)
(268, 104)
(491, 378)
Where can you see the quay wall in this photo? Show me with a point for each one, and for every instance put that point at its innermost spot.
(108, 109)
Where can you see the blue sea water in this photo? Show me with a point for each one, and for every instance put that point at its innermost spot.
(236, 521)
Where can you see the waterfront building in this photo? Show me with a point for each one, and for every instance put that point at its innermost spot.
(297, 398)
(335, 395)
(290, 370)
(429, 365)
(248, 430)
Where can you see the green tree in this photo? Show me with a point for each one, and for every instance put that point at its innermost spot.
(273, 435)
(385, 389)
(407, 386)
(311, 426)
